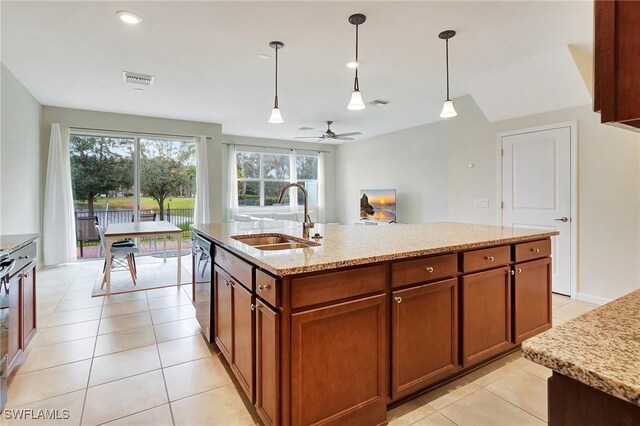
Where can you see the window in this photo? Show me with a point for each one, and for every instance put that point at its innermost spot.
(261, 177)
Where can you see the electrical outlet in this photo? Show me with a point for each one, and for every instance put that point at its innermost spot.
(481, 202)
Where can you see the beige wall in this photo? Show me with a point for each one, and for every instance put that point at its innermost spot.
(20, 158)
(411, 161)
(608, 184)
(330, 164)
(76, 118)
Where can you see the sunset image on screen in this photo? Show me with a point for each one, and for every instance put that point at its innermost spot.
(378, 204)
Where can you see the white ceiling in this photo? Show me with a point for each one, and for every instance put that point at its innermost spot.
(512, 57)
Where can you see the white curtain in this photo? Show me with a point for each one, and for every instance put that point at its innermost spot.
(321, 218)
(59, 227)
(293, 178)
(202, 212)
(232, 203)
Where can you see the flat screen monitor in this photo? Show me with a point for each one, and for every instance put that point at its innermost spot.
(378, 204)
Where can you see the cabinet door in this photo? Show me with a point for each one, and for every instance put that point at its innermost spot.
(28, 305)
(222, 313)
(242, 354)
(338, 364)
(486, 315)
(267, 364)
(424, 336)
(532, 299)
(15, 326)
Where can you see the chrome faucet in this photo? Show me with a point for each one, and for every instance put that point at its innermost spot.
(307, 224)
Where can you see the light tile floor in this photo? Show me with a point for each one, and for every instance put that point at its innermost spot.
(139, 359)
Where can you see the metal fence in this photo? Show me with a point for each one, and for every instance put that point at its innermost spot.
(181, 218)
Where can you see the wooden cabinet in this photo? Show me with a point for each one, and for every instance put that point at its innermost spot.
(486, 315)
(222, 298)
(424, 336)
(28, 304)
(531, 299)
(338, 363)
(267, 356)
(242, 337)
(616, 62)
(14, 345)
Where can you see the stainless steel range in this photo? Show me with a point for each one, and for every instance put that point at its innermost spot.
(6, 265)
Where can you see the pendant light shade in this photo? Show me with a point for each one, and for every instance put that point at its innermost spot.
(447, 108)
(356, 103)
(276, 116)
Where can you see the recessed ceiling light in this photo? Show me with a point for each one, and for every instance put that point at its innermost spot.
(138, 89)
(352, 64)
(129, 17)
(263, 56)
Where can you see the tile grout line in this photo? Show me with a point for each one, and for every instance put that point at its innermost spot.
(512, 403)
(86, 391)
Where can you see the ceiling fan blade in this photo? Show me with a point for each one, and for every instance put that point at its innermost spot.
(342, 138)
(349, 134)
(308, 137)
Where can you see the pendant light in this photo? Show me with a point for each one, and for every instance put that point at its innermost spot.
(447, 109)
(276, 117)
(356, 103)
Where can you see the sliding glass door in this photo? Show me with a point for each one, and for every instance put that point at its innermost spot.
(130, 178)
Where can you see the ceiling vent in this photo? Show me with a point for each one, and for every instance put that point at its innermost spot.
(136, 78)
(378, 103)
(305, 129)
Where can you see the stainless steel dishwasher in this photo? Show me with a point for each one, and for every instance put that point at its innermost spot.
(201, 278)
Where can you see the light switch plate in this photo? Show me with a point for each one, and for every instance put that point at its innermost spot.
(481, 202)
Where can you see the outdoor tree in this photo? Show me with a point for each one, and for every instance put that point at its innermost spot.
(165, 170)
(99, 166)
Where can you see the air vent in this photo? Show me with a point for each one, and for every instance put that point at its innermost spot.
(378, 103)
(136, 78)
(305, 129)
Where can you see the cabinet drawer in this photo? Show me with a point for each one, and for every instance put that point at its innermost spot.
(267, 288)
(335, 286)
(236, 267)
(478, 260)
(423, 270)
(532, 250)
(23, 257)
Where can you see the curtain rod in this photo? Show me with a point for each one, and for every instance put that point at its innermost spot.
(124, 132)
(274, 147)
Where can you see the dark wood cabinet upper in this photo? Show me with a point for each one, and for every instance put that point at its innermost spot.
(616, 62)
(424, 336)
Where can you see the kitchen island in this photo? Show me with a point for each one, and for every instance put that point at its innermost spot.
(341, 328)
(595, 360)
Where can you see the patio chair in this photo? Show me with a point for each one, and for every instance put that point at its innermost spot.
(86, 232)
(122, 255)
(148, 217)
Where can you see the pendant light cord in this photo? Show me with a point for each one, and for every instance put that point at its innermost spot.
(356, 85)
(276, 100)
(447, 60)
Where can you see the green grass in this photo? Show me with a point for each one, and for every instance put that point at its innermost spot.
(146, 203)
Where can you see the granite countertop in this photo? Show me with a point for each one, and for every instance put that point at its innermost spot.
(351, 245)
(11, 243)
(600, 348)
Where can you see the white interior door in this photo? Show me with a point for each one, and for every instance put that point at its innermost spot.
(536, 191)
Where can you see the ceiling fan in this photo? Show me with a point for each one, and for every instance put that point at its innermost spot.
(329, 134)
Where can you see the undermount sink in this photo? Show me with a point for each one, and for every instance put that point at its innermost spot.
(274, 242)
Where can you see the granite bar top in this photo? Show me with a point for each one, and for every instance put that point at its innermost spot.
(352, 245)
(600, 348)
(11, 243)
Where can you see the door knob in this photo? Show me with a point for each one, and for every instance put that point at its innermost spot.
(562, 219)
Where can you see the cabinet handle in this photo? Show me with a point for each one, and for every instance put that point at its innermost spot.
(535, 250)
(263, 287)
(226, 282)
(513, 272)
(26, 275)
(398, 299)
(253, 307)
(519, 270)
(26, 257)
(490, 258)
(429, 269)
